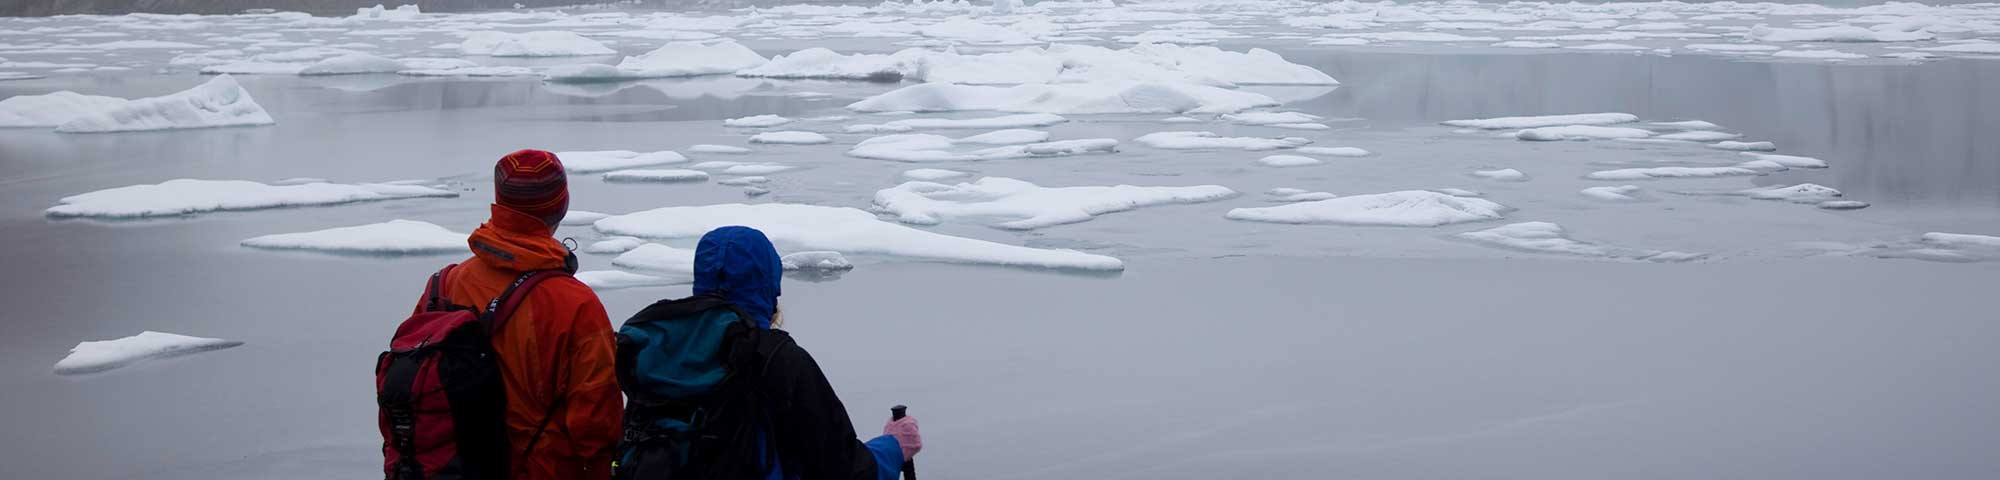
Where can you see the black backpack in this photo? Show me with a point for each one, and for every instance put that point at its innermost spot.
(714, 433)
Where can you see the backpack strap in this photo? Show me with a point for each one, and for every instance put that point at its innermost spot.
(434, 296)
(502, 307)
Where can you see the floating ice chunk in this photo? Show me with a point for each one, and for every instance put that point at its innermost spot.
(353, 64)
(1068, 98)
(823, 63)
(470, 72)
(756, 169)
(189, 196)
(256, 68)
(93, 357)
(1270, 118)
(1733, 47)
(1301, 126)
(1335, 151)
(756, 121)
(723, 149)
(1700, 136)
(1506, 123)
(1340, 41)
(1254, 67)
(1580, 132)
(1801, 193)
(1288, 161)
(1607, 47)
(815, 260)
(664, 175)
(218, 103)
(848, 230)
(742, 181)
(4, 76)
(1012, 136)
(1654, 173)
(378, 12)
(1744, 146)
(607, 160)
(876, 128)
(1007, 121)
(1412, 37)
(1690, 125)
(1545, 237)
(613, 245)
(1296, 195)
(531, 44)
(1986, 48)
(1621, 193)
(1207, 140)
(1961, 240)
(603, 280)
(1525, 44)
(581, 217)
(1818, 54)
(1793, 161)
(394, 237)
(1844, 33)
(653, 257)
(755, 191)
(1504, 175)
(932, 174)
(1410, 208)
(1025, 205)
(1842, 205)
(1459, 192)
(790, 138)
(970, 31)
(938, 148)
(1164, 37)
(51, 109)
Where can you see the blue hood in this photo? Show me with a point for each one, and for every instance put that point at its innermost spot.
(740, 264)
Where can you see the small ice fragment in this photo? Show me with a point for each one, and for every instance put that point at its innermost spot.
(815, 260)
(1288, 161)
(790, 138)
(1504, 175)
(98, 356)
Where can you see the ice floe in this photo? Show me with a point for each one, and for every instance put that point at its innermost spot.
(918, 147)
(932, 174)
(1183, 140)
(798, 227)
(1654, 173)
(1007, 121)
(1288, 161)
(1621, 193)
(220, 102)
(1700, 136)
(656, 258)
(1801, 193)
(1580, 132)
(678, 59)
(394, 237)
(1510, 123)
(1021, 205)
(790, 138)
(98, 356)
(353, 64)
(1744, 146)
(52, 109)
(1067, 98)
(815, 260)
(602, 280)
(607, 160)
(756, 121)
(1545, 237)
(656, 175)
(1818, 54)
(581, 217)
(531, 44)
(1410, 208)
(613, 245)
(1791, 161)
(190, 196)
(1503, 174)
(723, 149)
(1842, 33)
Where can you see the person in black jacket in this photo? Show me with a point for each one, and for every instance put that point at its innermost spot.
(715, 378)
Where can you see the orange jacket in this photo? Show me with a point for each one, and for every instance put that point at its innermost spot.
(559, 344)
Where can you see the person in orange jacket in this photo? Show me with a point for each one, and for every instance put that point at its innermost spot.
(564, 409)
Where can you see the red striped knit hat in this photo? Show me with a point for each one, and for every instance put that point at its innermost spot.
(532, 182)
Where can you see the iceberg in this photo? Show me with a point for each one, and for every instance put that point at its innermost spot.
(189, 196)
(1409, 208)
(848, 230)
(218, 103)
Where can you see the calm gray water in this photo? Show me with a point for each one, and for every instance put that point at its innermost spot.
(1225, 349)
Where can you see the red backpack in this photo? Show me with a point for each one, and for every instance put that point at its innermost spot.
(442, 404)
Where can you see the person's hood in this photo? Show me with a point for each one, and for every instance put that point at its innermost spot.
(519, 242)
(740, 264)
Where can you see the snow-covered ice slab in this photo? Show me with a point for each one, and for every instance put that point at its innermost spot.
(1270, 118)
(1509, 123)
(1842, 33)
(678, 59)
(1701, 136)
(722, 149)
(657, 258)
(1335, 151)
(613, 245)
(1654, 173)
(353, 64)
(1503, 174)
(52, 109)
(394, 237)
(581, 217)
(1021, 205)
(919, 147)
(1801, 193)
(656, 175)
(1789, 161)
(756, 121)
(1067, 98)
(1939, 247)
(608, 160)
(220, 102)
(93, 357)
(823, 63)
(531, 44)
(1545, 237)
(603, 280)
(790, 138)
(191, 196)
(1620, 193)
(1744, 146)
(1183, 140)
(1409, 208)
(1288, 161)
(848, 230)
(1005, 121)
(816, 260)
(1828, 54)
(1580, 132)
